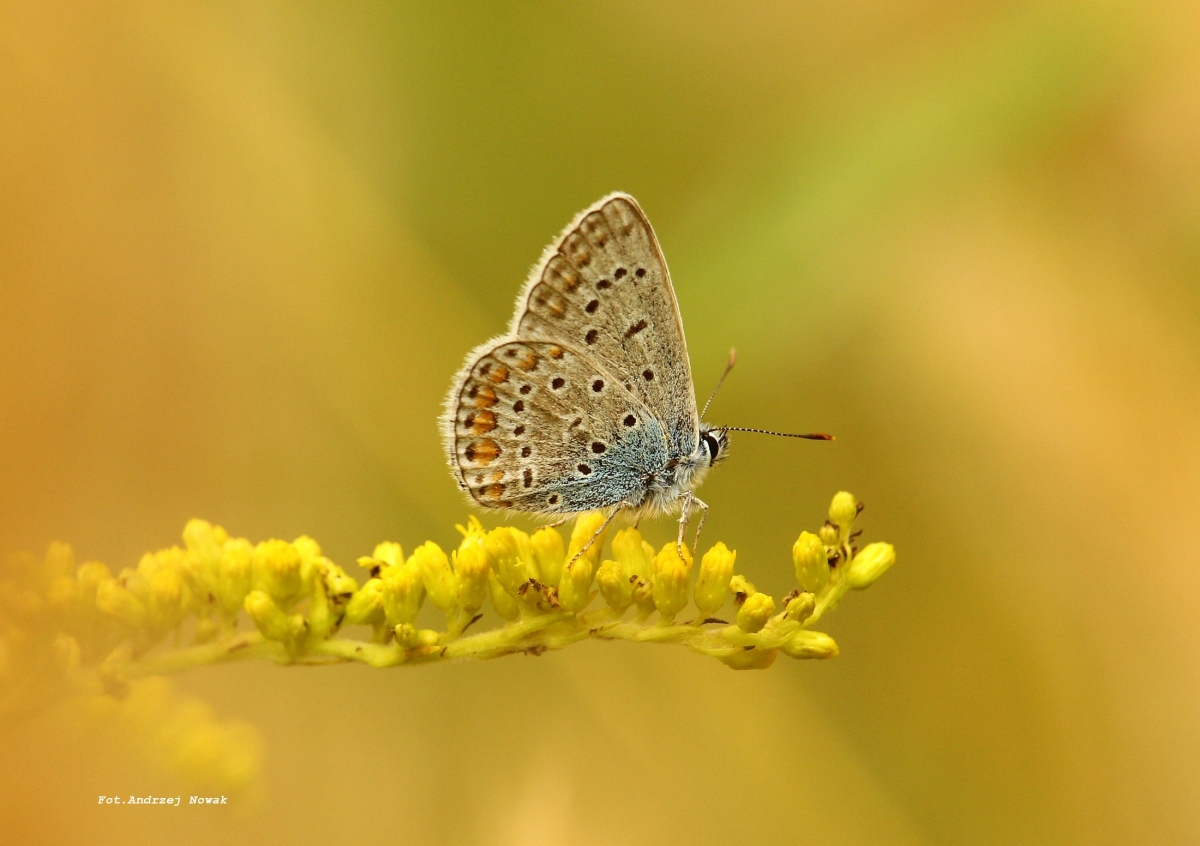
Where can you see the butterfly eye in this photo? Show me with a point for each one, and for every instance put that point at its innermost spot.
(712, 446)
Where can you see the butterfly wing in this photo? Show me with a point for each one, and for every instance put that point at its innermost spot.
(603, 288)
(541, 426)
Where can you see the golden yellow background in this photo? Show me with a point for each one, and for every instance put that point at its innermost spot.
(244, 247)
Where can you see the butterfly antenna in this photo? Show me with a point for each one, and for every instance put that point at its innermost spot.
(728, 367)
(816, 436)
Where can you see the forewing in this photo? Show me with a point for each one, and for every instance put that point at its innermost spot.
(540, 426)
(604, 288)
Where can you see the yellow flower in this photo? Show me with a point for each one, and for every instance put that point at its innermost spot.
(635, 557)
(808, 557)
(402, 589)
(276, 566)
(671, 580)
(755, 612)
(869, 564)
(112, 598)
(587, 531)
(614, 585)
(503, 601)
(365, 607)
(510, 557)
(268, 617)
(547, 547)
(842, 511)
(440, 582)
(236, 574)
(472, 564)
(800, 607)
(741, 588)
(166, 598)
(388, 554)
(712, 584)
(807, 644)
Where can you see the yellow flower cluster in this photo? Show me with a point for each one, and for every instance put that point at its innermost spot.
(543, 589)
(65, 629)
(83, 634)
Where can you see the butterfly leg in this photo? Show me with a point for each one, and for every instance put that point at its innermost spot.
(700, 524)
(561, 521)
(685, 513)
(595, 535)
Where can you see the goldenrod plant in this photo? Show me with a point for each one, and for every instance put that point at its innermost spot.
(83, 630)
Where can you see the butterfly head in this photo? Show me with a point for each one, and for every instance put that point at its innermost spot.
(715, 443)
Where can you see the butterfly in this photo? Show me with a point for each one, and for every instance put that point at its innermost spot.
(587, 402)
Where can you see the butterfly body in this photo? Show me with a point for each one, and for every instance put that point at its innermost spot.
(587, 402)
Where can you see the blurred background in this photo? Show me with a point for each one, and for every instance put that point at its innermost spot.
(244, 248)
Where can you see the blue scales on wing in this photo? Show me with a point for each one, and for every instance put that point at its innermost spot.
(540, 426)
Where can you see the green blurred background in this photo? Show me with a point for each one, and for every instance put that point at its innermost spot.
(245, 246)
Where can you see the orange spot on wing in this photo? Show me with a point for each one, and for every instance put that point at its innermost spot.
(500, 375)
(529, 362)
(485, 398)
(484, 452)
(485, 421)
(492, 491)
(555, 352)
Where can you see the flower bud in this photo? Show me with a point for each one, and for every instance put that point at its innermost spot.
(310, 556)
(63, 594)
(236, 574)
(321, 616)
(800, 607)
(575, 584)
(587, 527)
(338, 585)
(440, 582)
(267, 616)
(504, 602)
(632, 553)
(807, 644)
(403, 590)
(200, 565)
(112, 598)
(504, 547)
(276, 566)
(90, 575)
(472, 564)
(755, 612)
(204, 539)
(812, 568)
(828, 534)
(614, 585)
(842, 511)
(712, 584)
(410, 637)
(870, 563)
(547, 547)
(166, 597)
(671, 580)
(389, 554)
(751, 659)
(741, 588)
(366, 606)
